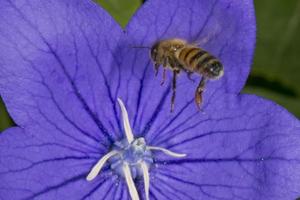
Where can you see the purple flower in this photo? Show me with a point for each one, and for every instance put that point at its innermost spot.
(95, 123)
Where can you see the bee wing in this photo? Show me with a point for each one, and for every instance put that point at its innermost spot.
(201, 42)
(204, 38)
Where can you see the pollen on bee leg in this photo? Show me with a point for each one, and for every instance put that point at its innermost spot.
(198, 99)
(199, 92)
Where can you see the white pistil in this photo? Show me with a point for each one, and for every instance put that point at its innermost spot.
(126, 124)
(131, 186)
(166, 151)
(125, 166)
(146, 178)
(97, 168)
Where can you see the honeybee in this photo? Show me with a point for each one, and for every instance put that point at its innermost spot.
(179, 55)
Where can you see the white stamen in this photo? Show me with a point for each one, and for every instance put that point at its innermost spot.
(132, 189)
(121, 163)
(126, 124)
(97, 168)
(166, 151)
(146, 179)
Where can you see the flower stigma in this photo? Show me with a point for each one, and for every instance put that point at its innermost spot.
(130, 158)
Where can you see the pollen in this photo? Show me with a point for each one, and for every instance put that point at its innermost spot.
(130, 158)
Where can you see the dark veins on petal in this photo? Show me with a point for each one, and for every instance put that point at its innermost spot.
(241, 148)
(50, 79)
(60, 70)
(59, 52)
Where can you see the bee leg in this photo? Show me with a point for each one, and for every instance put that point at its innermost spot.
(175, 73)
(165, 64)
(156, 67)
(164, 76)
(199, 91)
(189, 75)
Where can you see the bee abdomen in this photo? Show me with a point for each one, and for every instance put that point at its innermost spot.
(196, 59)
(203, 62)
(186, 54)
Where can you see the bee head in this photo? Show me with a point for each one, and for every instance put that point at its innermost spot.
(154, 51)
(215, 70)
(164, 48)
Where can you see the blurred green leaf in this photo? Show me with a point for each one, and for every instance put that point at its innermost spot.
(276, 62)
(5, 120)
(278, 45)
(290, 103)
(121, 10)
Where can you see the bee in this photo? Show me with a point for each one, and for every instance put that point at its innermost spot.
(179, 55)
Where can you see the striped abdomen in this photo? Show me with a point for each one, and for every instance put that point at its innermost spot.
(197, 60)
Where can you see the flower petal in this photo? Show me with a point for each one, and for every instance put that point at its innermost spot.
(54, 60)
(33, 167)
(224, 28)
(244, 148)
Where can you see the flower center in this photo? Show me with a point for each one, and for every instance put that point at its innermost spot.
(130, 158)
(133, 154)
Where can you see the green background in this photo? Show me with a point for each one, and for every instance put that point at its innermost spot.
(276, 71)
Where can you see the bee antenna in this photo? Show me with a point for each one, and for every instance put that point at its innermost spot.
(141, 47)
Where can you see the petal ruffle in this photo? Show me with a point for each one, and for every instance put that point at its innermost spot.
(242, 148)
(54, 60)
(32, 167)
